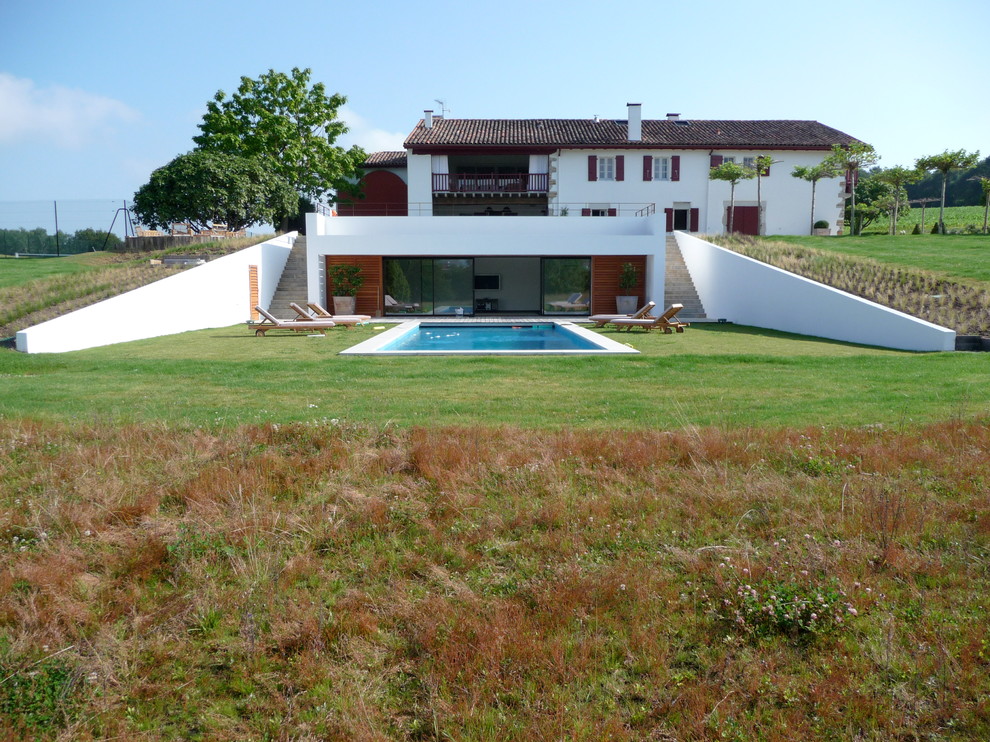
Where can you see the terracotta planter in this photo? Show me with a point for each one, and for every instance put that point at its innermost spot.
(343, 304)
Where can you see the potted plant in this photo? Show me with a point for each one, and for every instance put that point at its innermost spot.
(628, 279)
(821, 228)
(345, 279)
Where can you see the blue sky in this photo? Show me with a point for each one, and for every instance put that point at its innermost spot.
(95, 95)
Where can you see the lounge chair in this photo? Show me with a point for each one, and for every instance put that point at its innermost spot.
(391, 305)
(665, 321)
(318, 312)
(569, 303)
(601, 320)
(270, 322)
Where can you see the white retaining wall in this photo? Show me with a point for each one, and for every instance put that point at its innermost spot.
(748, 292)
(215, 294)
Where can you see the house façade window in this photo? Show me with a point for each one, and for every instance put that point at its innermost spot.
(606, 168)
(661, 168)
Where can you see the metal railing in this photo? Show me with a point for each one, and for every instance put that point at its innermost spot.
(491, 182)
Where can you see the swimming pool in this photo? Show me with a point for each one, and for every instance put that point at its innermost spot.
(485, 338)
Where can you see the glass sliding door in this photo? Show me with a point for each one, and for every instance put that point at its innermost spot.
(566, 285)
(453, 286)
(408, 286)
(429, 286)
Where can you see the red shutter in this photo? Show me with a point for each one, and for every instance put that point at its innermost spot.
(647, 167)
(669, 213)
(694, 220)
(675, 168)
(585, 212)
(716, 160)
(620, 167)
(613, 212)
(592, 167)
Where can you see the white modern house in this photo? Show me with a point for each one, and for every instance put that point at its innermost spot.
(598, 194)
(622, 184)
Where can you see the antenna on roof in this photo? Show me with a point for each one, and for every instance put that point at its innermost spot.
(443, 107)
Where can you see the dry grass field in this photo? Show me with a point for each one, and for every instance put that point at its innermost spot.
(322, 581)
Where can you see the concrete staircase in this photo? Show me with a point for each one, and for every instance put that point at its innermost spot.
(292, 284)
(678, 286)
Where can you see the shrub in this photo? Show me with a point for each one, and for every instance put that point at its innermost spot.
(821, 224)
(917, 229)
(345, 279)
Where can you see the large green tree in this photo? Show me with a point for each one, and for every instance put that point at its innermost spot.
(288, 122)
(206, 188)
(945, 163)
(812, 174)
(733, 174)
(852, 158)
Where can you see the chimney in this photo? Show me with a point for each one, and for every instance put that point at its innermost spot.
(673, 117)
(427, 119)
(635, 126)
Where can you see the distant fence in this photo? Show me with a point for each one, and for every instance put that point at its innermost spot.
(32, 227)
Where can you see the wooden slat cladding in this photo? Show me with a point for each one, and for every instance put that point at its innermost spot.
(253, 292)
(369, 296)
(605, 281)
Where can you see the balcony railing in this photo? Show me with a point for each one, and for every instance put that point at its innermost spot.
(491, 183)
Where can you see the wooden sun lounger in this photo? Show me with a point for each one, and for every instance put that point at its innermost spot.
(601, 320)
(665, 321)
(320, 313)
(348, 320)
(271, 322)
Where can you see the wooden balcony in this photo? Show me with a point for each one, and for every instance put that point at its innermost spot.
(491, 183)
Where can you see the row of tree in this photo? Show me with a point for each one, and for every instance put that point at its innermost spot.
(885, 189)
(39, 242)
(263, 155)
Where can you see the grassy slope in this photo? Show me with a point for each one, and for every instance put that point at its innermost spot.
(18, 271)
(957, 256)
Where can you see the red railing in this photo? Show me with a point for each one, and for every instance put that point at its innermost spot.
(491, 183)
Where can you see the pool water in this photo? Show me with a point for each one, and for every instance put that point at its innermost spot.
(486, 338)
(490, 337)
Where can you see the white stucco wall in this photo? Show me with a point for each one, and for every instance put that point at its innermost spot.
(748, 292)
(215, 294)
(475, 236)
(787, 200)
(419, 176)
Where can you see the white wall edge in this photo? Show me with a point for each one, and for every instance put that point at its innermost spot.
(215, 294)
(747, 292)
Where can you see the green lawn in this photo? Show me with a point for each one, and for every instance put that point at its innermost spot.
(709, 375)
(17, 271)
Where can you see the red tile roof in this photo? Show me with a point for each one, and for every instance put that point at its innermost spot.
(385, 160)
(612, 133)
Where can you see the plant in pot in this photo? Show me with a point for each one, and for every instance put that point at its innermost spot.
(821, 228)
(345, 280)
(625, 303)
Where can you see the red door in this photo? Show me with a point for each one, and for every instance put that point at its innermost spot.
(745, 221)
